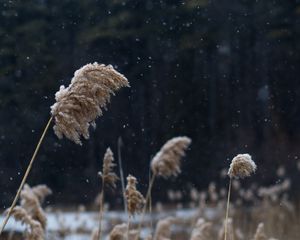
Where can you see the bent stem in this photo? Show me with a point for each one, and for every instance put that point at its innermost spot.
(146, 203)
(227, 209)
(25, 176)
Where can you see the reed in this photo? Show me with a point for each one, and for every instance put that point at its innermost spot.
(76, 108)
(241, 166)
(109, 178)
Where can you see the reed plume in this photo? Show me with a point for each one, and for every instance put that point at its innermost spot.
(76, 108)
(167, 161)
(241, 166)
(109, 178)
(78, 105)
(135, 200)
(31, 199)
(34, 229)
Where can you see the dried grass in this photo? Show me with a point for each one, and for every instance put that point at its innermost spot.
(34, 229)
(31, 199)
(241, 166)
(109, 177)
(78, 105)
(167, 161)
(135, 200)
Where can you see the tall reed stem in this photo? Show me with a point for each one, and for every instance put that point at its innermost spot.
(25, 176)
(101, 210)
(227, 209)
(120, 144)
(146, 203)
(150, 204)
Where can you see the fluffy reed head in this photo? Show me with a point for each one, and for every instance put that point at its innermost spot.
(135, 200)
(78, 105)
(167, 161)
(241, 166)
(109, 178)
(31, 201)
(34, 230)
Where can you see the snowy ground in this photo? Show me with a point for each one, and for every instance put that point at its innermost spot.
(79, 225)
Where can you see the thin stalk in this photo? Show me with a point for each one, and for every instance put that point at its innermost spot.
(146, 203)
(227, 209)
(25, 176)
(150, 204)
(120, 144)
(128, 227)
(101, 210)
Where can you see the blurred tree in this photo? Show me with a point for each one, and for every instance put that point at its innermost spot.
(224, 74)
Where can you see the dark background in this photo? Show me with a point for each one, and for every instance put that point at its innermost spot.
(225, 73)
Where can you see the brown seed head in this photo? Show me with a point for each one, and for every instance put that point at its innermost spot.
(78, 105)
(109, 178)
(30, 202)
(36, 232)
(135, 200)
(241, 166)
(167, 161)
